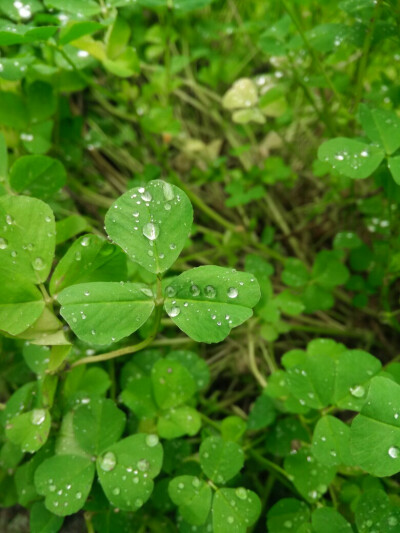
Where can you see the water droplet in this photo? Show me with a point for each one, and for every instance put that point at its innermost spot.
(196, 482)
(9, 219)
(358, 391)
(167, 207)
(78, 256)
(288, 524)
(116, 491)
(195, 291)
(172, 246)
(147, 292)
(230, 519)
(146, 197)
(151, 231)
(143, 465)
(181, 486)
(241, 493)
(210, 291)
(394, 452)
(3, 244)
(38, 416)
(175, 310)
(52, 488)
(78, 495)
(108, 462)
(232, 292)
(170, 291)
(85, 241)
(135, 214)
(168, 192)
(392, 521)
(138, 502)
(152, 440)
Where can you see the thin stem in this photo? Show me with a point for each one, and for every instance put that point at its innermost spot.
(253, 363)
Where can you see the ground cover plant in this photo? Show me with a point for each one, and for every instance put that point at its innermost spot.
(199, 266)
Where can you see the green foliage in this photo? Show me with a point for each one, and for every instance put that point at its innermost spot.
(199, 266)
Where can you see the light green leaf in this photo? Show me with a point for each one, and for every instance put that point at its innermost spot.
(309, 476)
(233, 428)
(328, 271)
(36, 357)
(375, 432)
(331, 442)
(262, 413)
(69, 227)
(173, 384)
(85, 8)
(220, 460)
(244, 116)
(192, 496)
(29, 430)
(289, 303)
(354, 159)
(98, 424)
(287, 514)
(328, 520)
(382, 126)
(207, 302)
(394, 167)
(235, 510)
(89, 259)
(27, 238)
(178, 422)
(197, 366)
(3, 159)
(242, 94)
(295, 273)
(42, 521)
(126, 470)
(76, 29)
(65, 482)
(37, 175)
(138, 396)
(102, 313)
(21, 304)
(151, 224)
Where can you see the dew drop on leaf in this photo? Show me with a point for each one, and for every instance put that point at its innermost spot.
(152, 440)
(3, 244)
(210, 291)
(232, 292)
(151, 231)
(168, 192)
(38, 416)
(196, 482)
(85, 241)
(9, 220)
(394, 452)
(170, 291)
(175, 310)
(38, 263)
(358, 391)
(194, 290)
(143, 465)
(108, 462)
(241, 493)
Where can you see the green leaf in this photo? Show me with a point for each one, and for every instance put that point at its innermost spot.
(233, 428)
(289, 303)
(127, 469)
(375, 432)
(102, 313)
(76, 29)
(83, 8)
(160, 120)
(12, 111)
(394, 167)
(69, 227)
(173, 384)
(151, 224)
(21, 304)
(138, 396)
(316, 298)
(36, 357)
(89, 259)
(220, 460)
(42, 103)
(354, 159)
(287, 514)
(3, 159)
(328, 271)
(29, 430)
(328, 520)
(117, 37)
(346, 240)
(42, 521)
(331, 442)
(178, 422)
(207, 302)
(65, 482)
(375, 512)
(197, 366)
(262, 413)
(309, 476)
(235, 510)
(27, 238)
(295, 273)
(98, 424)
(242, 94)
(382, 126)
(37, 175)
(192, 496)
(354, 370)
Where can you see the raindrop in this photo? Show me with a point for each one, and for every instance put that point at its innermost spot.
(108, 462)
(78, 495)
(9, 220)
(143, 465)
(168, 192)
(232, 292)
(175, 310)
(116, 491)
(167, 207)
(147, 292)
(152, 440)
(172, 246)
(210, 291)
(230, 519)
(138, 502)
(3, 244)
(86, 293)
(392, 521)
(196, 482)
(288, 524)
(151, 231)
(194, 290)
(358, 391)
(146, 197)
(394, 452)
(364, 153)
(78, 256)
(170, 291)
(241, 493)
(85, 241)
(38, 416)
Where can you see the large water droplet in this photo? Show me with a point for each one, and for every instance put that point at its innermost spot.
(108, 462)
(146, 197)
(210, 291)
(138, 502)
(38, 263)
(175, 310)
(152, 440)
(394, 452)
(9, 219)
(170, 291)
(151, 231)
(116, 491)
(241, 493)
(196, 482)
(85, 241)
(147, 292)
(38, 416)
(194, 290)
(358, 391)
(168, 192)
(143, 465)
(3, 244)
(232, 292)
